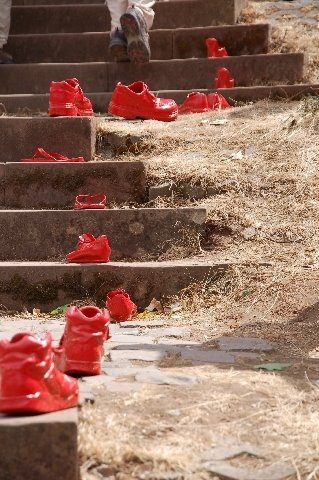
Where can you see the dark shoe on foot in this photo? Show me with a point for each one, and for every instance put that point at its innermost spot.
(135, 30)
(5, 57)
(118, 46)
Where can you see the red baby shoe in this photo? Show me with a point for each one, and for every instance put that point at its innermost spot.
(67, 99)
(213, 48)
(136, 101)
(90, 250)
(120, 305)
(81, 347)
(223, 79)
(217, 101)
(29, 380)
(195, 102)
(97, 200)
(41, 155)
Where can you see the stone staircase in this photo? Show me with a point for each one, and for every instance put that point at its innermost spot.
(37, 222)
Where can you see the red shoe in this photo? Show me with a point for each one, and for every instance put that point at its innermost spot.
(67, 99)
(216, 101)
(195, 102)
(136, 101)
(90, 201)
(90, 250)
(41, 155)
(120, 305)
(223, 79)
(29, 380)
(213, 48)
(81, 347)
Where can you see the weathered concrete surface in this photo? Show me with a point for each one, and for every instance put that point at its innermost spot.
(165, 44)
(100, 101)
(180, 74)
(45, 285)
(39, 446)
(71, 136)
(47, 234)
(51, 15)
(37, 77)
(200, 73)
(40, 185)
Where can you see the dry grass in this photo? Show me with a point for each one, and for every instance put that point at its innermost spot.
(163, 429)
(294, 29)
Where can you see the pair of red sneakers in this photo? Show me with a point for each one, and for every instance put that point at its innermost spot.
(197, 102)
(34, 376)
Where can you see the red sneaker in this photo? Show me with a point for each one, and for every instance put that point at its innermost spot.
(90, 250)
(213, 48)
(29, 380)
(195, 102)
(223, 79)
(90, 201)
(120, 305)
(81, 347)
(41, 155)
(67, 99)
(136, 101)
(217, 101)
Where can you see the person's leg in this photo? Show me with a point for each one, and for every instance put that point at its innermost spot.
(118, 42)
(5, 10)
(145, 8)
(135, 23)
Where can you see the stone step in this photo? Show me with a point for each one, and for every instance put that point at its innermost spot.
(71, 136)
(95, 18)
(132, 233)
(158, 74)
(49, 16)
(165, 44)
(47, 185)
(39, 103)
(46, 285)
(45, 444)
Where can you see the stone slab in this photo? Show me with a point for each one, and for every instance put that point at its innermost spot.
(169, 332)
(144, 355)
(46, 285)
(38, 103)
(158, 377)
(159, 350)
(132, 233)
(238, 40)
(71, 136)
(133, 339)
(93, 46)
(180, 74)
(39, 446)
(198, 73)
(278, 471)
(95, 17)
(40, 185)
(78, 47)
(37, 77)
(244, 343)
(142, 323)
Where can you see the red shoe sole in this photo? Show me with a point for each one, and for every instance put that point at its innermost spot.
(66, 110)
(44, 403)
(78, 367)
(124, 112)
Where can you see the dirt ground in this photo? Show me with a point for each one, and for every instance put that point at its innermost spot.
(261, 164)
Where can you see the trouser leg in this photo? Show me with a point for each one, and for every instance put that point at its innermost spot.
(116, 8)
(145, 7)
(5, 10)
